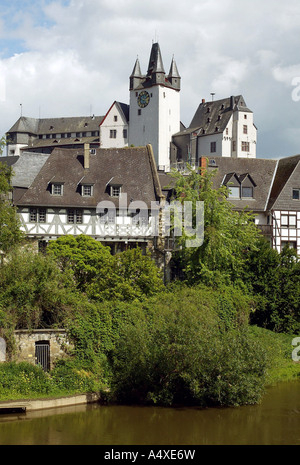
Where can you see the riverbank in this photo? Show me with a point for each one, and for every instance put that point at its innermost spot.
(27, 405)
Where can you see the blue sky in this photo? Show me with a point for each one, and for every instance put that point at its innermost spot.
(70, 58)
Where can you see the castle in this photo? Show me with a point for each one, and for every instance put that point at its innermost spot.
(65, 166)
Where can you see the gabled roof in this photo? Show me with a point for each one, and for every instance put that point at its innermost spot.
(123, 109)
(216, 114)
(285, 172)
(133, 166)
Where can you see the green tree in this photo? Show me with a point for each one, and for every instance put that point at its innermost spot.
(102, 276)
(228, 235)
(10, 233)
(274, 279)
(34, 292)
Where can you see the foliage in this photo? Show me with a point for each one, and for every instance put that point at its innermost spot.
(10, 233)
(228, 234)
(33, 291)
(22, 379)
(274, 280)
(102, 276)
(25, 380)
(176, 349)
(69, 375)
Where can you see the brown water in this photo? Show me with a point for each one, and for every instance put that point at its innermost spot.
(275, 421)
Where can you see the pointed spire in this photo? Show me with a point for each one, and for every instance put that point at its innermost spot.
(173, 69)
(136, 72)
(136, 75)
(174, 77)
(155, 61)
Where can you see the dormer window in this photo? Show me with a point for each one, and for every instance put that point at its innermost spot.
(247, 192)
(115, 191)
(296, 194)
(234, 192)
(87, 190)
(57, 189)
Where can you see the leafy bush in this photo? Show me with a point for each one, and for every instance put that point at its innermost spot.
(21, 379)
(176, 349)
(71, 376)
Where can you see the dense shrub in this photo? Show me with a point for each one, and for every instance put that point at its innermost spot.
(177, 349)
(21, 379)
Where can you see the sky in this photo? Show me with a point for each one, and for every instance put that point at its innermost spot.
(74, 58)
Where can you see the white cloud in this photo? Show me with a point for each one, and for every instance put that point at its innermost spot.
(62, 58)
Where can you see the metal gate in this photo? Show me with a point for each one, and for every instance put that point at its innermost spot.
(42, 354)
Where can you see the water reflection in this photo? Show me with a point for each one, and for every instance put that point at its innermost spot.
(275, 421)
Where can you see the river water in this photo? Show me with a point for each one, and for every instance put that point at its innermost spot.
(275, 421)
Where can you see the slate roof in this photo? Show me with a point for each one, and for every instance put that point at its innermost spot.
(216, 114)
(56, 125)
(285, 170)
(27, 167)
(260, 171)
(133, 167)
(155, 67)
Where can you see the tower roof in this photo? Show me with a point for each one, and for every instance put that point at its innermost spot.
(136, 72)
(173, 69)
(155, 61)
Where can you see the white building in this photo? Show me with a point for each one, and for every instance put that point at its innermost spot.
(154, 114)
(221, 128)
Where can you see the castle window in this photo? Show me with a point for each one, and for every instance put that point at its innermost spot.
(139, 112)
(213, 147)
(115, 118)
(245, 129)
(245, 146)
(113, 133)
(124, 133)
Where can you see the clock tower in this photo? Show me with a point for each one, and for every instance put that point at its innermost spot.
(154, 112)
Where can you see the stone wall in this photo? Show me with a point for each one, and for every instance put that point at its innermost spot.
(59, 345)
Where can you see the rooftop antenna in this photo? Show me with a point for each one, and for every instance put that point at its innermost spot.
(212, 96)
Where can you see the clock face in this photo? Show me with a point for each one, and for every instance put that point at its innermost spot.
(143, 99)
